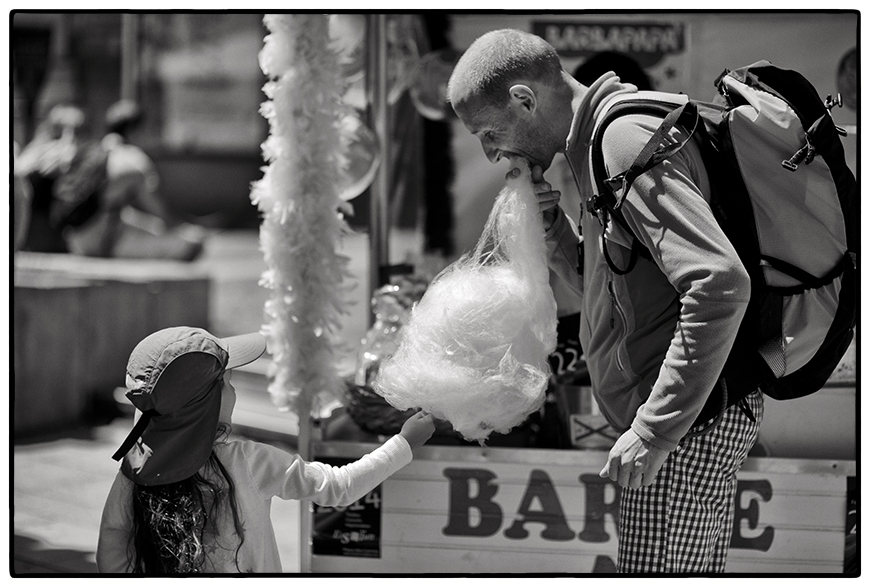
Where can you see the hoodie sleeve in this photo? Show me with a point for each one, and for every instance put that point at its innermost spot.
(564, 260)
(667, 210)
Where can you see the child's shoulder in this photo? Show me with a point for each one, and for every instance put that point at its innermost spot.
(244, 448)
(235, 445)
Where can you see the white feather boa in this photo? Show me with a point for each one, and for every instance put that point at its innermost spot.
(298, 196)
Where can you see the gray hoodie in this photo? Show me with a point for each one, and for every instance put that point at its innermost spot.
(655, 340)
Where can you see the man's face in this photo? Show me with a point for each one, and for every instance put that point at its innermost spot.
(503, 134)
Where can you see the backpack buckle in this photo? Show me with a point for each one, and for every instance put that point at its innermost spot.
(595, 205)
(616, 187)
(830, 101)
(811, 153)
(807, 152)
(615, 183)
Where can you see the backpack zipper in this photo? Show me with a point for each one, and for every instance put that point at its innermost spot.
(612, 302)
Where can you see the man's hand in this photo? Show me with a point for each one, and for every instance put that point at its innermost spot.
(548, 198)
(633, 462)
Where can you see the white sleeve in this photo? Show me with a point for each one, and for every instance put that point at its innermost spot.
(278, 473)
(115, 527)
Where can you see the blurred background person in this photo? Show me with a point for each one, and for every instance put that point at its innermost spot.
(48, 156)
(22, 195)
(132, 221)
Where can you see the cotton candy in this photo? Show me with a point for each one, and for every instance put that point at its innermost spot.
(474, 351)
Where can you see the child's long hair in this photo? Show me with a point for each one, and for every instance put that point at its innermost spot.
(172, 523)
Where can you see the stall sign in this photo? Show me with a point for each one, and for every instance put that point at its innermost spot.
(646, 42)
(552, 513)
(353, 530)
(657, 47)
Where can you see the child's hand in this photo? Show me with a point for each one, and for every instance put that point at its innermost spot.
(418, 429)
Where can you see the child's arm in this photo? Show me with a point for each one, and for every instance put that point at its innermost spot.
(287, 476)
(115, 529)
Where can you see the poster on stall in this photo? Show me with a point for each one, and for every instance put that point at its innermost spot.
(348, 531)
(658, 47)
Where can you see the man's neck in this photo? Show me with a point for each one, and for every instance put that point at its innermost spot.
(578, 94)
(578, 91)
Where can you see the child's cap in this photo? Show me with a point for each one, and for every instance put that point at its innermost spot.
(174, 378)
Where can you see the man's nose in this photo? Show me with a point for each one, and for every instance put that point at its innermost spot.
(493, 154)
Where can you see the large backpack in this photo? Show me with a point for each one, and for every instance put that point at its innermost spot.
(787, 201)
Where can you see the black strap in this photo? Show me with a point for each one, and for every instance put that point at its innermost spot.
(653, 153)
(704, 426)
(808, 280)
(635, 250)
(135, 434)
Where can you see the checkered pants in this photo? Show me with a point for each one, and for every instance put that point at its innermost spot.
(682, 523)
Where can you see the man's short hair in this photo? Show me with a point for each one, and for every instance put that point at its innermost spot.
(496, 60)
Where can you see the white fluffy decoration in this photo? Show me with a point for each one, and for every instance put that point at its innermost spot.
(474, 351)
(299, 198)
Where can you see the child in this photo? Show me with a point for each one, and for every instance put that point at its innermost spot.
(186, 499)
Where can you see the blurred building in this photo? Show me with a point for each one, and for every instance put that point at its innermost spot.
(196, 75)
(198, 78)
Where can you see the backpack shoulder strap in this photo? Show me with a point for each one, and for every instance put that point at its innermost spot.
(612, 190)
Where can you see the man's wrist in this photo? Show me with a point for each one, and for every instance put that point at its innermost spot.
(549, 218)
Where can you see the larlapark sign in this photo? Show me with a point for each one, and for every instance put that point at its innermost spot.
(646, 42)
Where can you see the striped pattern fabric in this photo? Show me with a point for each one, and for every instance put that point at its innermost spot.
(682, 523)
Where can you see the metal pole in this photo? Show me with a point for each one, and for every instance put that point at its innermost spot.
(376, 91)
(61, 83)
(378, 119)
(130, 56)
(376, 95)
(304, 449)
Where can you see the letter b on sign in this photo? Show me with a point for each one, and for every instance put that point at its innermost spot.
(463, 503)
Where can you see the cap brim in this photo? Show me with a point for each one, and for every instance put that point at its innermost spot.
(244, 348)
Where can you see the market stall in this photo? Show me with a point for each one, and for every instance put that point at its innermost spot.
(513, 510)
(528, 501)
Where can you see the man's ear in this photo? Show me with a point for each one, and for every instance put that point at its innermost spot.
(523, 97)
